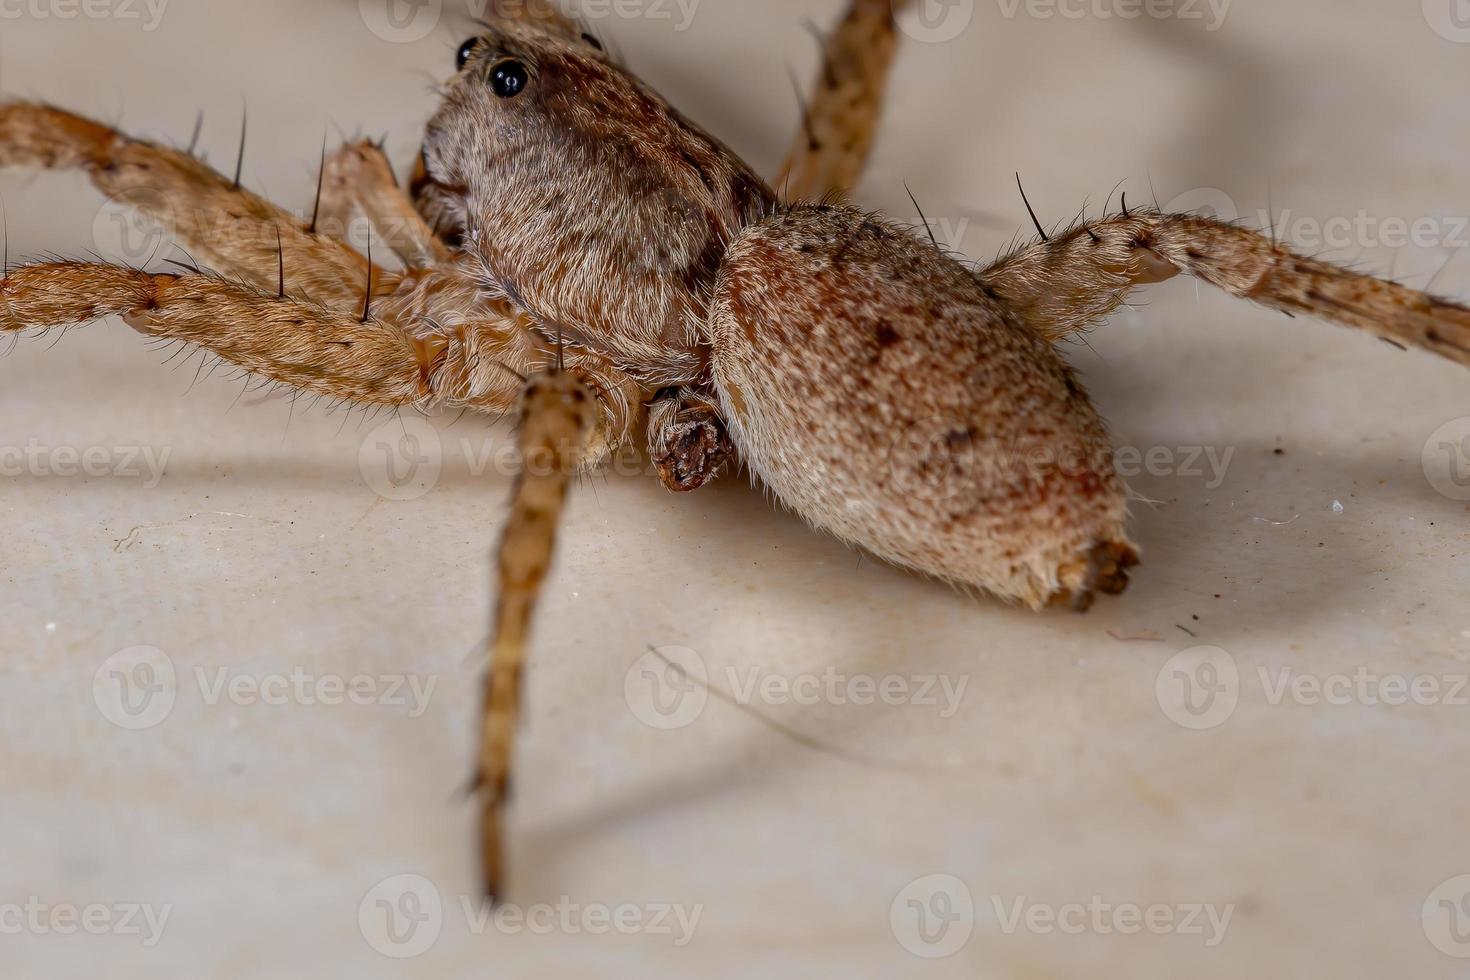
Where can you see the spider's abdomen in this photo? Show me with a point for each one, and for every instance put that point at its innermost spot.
(889, 398)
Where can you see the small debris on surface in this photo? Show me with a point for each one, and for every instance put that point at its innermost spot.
(1186, 629)
(1148, 636)
(1338, 508)
(1151, 795)
(1267, 520)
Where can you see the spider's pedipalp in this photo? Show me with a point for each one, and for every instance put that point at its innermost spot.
(1062, 286)
(357, 178)
(687, 441)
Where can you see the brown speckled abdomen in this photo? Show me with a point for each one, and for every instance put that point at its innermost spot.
(889, 398)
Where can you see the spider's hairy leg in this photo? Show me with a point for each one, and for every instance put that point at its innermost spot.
(846, 104)
(358, 179)
(888, 398)
(558, 417)
(396, 353)
(218, 223)
(334, 353)
(543, 14)
(1063, 285)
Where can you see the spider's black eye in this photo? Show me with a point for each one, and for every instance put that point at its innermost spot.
(592, 41)
(465, 50)
(509, 79)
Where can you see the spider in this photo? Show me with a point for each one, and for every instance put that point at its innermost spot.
(576, 249)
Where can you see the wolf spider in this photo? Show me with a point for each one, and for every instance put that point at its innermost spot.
(575, 247)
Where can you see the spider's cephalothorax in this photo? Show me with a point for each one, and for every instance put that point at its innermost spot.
(603, 209)
(576, 247)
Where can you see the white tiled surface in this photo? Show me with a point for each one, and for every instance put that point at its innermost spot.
(1059, 780)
